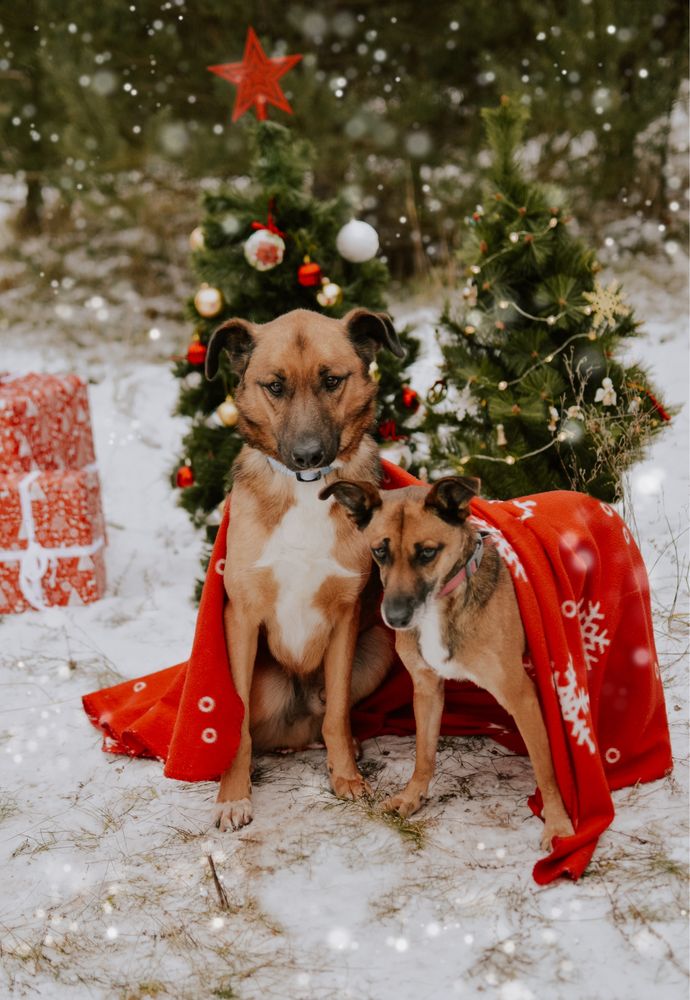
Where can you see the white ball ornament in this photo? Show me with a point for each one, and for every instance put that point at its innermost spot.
(357, 241)
(264, 250)
(208, 301)
(196, 239)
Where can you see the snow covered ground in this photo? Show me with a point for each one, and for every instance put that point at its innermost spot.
(107, 888)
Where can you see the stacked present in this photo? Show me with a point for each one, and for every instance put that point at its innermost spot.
(52, 534)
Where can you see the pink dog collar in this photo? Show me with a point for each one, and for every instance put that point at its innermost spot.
(470, 567)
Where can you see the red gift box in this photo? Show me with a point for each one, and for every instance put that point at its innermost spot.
(52, 533)
(44, 423)
(52, 539)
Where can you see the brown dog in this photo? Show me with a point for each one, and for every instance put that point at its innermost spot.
(452, 604)
(296, 568)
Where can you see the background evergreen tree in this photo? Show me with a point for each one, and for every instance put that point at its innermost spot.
(278, 191)
(534, 398)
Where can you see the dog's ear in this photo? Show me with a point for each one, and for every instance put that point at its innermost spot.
(449, 498)
(360, 500)
(237, 338)
(369, 331)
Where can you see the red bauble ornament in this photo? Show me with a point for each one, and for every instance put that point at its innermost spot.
(309, 274)
(256, 79)
(196, 353)
(388, 431)
(410, 398)
(184, 477)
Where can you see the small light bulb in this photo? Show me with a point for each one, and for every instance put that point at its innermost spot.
(551, 320)
(514, 237)
(510, 460)
(503, 304)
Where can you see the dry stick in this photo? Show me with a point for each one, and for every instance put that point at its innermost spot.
(222, 894)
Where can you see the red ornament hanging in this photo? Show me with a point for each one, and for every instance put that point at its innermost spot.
(256, 79)
(410, 398)
(196, 353)
(309, 274)
(184, 477)
(388, 431)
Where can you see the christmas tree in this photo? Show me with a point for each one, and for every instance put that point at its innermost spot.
(532, 396)
(265, 246)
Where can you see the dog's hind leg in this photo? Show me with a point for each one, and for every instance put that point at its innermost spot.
(286, 712)
(372, 661)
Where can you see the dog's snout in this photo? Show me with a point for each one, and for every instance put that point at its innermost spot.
(398, 610)
(308, 453)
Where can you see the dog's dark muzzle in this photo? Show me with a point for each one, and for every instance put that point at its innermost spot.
(398, 610)
(309, 451)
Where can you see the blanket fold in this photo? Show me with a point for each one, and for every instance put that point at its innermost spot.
(583, 594)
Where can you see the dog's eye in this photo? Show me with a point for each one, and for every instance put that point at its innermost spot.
(275, 388)
(426, 555)
(379, 553)
(332, 382)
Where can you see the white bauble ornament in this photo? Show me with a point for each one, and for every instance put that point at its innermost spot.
(264, 250)
(196, 239)
(208, 301)
(357, 241)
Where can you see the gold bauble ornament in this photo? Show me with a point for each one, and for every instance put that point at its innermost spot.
(197, 240)
(208, 301)
(330, 294)
(227, 412)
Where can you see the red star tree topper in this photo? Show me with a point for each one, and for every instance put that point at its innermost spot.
(256, 79)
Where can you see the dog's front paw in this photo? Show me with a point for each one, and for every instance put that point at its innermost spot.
(405, 803)
(350, 788)
(233, 815)
(558, 828)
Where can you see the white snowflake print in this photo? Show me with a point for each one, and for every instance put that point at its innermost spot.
(574, 702)
(525, 506)
(505, 549)
(594, 639)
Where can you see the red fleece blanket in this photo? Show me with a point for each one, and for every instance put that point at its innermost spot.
(584, 598)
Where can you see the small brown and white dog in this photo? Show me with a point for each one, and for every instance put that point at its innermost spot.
(450, 599)
(296, 567)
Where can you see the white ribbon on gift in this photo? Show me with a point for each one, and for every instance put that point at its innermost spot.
(36, 559)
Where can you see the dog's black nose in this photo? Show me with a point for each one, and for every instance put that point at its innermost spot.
(398, 610)
(308, 453)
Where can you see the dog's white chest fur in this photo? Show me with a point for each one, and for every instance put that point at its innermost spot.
(300, 553)
(432, 647)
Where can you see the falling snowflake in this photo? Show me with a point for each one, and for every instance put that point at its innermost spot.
(505, 549)
(574, 702)
(606, 303)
